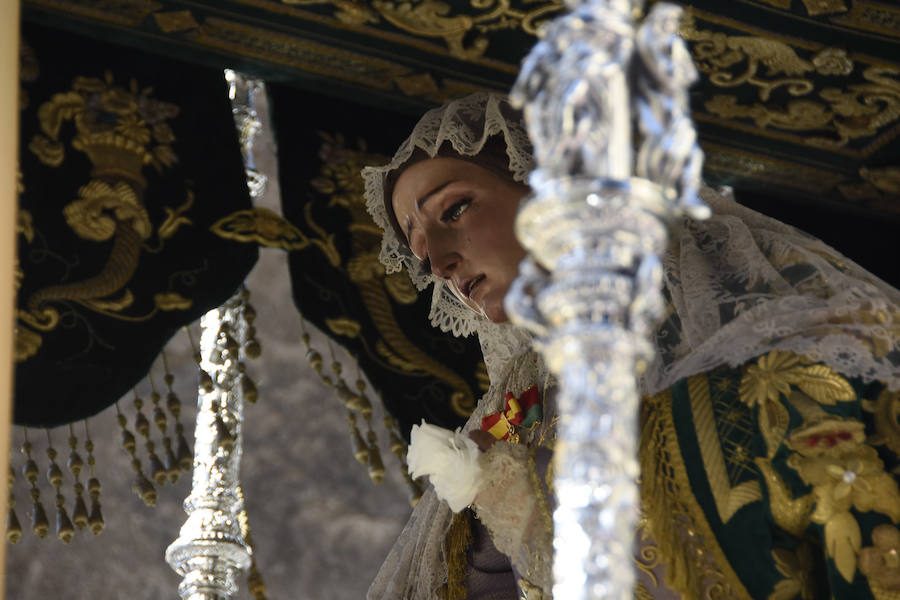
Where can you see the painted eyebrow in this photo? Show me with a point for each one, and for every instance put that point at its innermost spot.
(421, 202)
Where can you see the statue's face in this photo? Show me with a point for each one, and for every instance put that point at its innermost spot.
(458, 218)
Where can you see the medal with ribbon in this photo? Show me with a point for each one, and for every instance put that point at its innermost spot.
(524, 411)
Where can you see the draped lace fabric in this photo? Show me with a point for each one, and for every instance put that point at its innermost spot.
(466, 125)
(510, 506)
(742, 284)
(416, 566)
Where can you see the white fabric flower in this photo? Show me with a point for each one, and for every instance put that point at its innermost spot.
(450, 459)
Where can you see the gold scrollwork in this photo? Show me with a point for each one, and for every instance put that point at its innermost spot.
(854, 111)
(262, 226)
(435, 19)
(875, 16)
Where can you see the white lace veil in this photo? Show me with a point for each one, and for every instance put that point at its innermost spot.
(741, 284)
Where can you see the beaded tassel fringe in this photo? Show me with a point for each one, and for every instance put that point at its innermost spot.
(357, 404)
(81, 517)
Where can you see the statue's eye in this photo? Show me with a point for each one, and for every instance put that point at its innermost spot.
(456, 210)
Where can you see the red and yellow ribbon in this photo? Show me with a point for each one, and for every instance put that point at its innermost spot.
(524, 411)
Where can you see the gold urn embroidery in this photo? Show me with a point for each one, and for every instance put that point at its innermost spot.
(122, 130)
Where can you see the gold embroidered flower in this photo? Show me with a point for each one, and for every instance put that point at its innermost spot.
(768, 378)
(830, 436)
(855, 479)
(832, 61)
(880, 562)
(134, 128)
(118, 101)
(796, 568)
(163, 133)
(775, 373)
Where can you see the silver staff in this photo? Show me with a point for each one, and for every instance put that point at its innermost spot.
(211, 552)
(606, 105)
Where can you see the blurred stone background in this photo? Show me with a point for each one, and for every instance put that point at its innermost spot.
(321, 528)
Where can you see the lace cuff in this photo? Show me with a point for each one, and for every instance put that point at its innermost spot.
(513, 505)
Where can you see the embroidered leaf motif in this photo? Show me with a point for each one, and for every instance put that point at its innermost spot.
(774, 420)
(843, 541)
(172, 301)
(823, 385)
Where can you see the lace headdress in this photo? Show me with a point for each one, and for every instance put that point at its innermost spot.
(463, 126)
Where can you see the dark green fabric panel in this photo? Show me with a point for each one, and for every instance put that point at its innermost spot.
(111, 322)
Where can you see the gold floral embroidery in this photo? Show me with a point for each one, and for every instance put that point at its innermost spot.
(796, 569)
(772, 376)
(887, 420)
(122, 130)
(828, 436)
(774, 373)
(880, 562)
(854, 479)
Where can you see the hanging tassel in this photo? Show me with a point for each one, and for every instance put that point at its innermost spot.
(184, 458)
(365, 406)
(168, 470)
(75, 464)
(39, 523)
(142, 487)
(399, 449)
(415, 489)
(95, 517)
(183, 454)
(173, 405)
(252, 347)
(64, 529)
(458, 541)
(248, 389)
(376, 466)
(255, 584)
(360, 449)
(13, 528)
(142, 426)
(206, 382)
